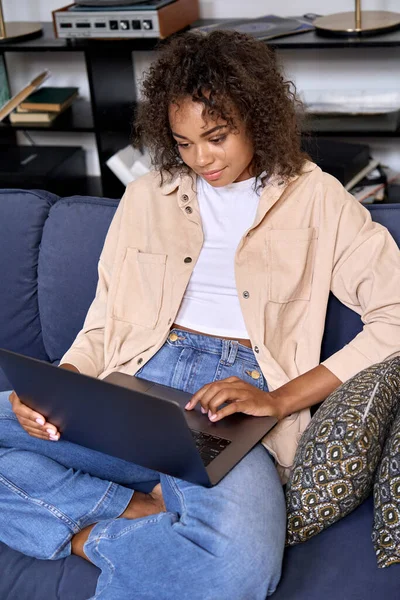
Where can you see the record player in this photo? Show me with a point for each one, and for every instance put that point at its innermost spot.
(124, 19)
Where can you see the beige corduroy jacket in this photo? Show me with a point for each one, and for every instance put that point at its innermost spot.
(309, 237)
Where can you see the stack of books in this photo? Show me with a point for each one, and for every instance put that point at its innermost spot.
(44, 105)
(375, 185)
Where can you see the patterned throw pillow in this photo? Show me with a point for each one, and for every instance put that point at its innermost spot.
(338, 453)
(386, 530)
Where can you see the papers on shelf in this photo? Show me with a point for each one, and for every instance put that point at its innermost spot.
(128, 164)
(351, 102)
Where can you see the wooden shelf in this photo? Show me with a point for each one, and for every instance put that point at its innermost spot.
(310, 39)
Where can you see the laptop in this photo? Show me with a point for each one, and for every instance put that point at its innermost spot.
(134, 419)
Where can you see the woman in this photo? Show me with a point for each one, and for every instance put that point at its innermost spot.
(214, 278)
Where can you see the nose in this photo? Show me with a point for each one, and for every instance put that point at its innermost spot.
(204, 156)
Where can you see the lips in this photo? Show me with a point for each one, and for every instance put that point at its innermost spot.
(213, 175)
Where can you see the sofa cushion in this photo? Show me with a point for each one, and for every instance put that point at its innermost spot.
(73, 238)
(386, 530)
(338, 564)
(23, 215)
(71, 578)
(335, 461)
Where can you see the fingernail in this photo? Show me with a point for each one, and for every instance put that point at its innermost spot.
(51, 431)
(203, 410)
(212, 416)
(187, 405)
(40, 421)
(54, 438)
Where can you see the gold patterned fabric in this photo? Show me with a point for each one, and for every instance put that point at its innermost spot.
(386, 529)
(340, 450)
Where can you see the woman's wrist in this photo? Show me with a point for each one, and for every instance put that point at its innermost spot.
(304, 391)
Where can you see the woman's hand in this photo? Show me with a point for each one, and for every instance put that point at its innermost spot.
(33, 422)
(240, 396)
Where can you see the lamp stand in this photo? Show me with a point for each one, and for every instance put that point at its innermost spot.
(18, 31)
(359, 22)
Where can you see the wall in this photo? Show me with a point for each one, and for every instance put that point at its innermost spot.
(309, 69)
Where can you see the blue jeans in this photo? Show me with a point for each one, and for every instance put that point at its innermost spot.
(220, 543)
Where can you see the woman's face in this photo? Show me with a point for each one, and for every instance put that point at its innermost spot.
(208, 147)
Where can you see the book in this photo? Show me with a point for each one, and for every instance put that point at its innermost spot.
(24, 93)
(32, 117)
(262, 28)
(362, 173)
(343, 160)
(367, 192)
(50, 99)
(4, 87)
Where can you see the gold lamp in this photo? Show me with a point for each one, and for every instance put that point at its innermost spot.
(367, 22)
(18, 31)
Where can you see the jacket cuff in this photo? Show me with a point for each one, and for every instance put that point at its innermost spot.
(346, 363)
(82, 362)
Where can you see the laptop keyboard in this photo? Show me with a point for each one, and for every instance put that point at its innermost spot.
(209, 446)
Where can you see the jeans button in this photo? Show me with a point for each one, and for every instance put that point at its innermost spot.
(172, 337)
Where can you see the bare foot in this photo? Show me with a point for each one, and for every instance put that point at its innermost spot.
(140, 505)
(143, 505)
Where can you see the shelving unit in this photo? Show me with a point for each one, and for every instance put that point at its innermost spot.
(109, 64)
(77, 118)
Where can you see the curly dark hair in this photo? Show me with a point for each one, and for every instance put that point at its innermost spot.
(232, 74)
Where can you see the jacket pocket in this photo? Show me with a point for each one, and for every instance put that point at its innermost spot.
(291, 254)
(139, 288)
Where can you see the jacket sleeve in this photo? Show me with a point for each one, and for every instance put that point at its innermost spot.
(87, 350)
(366, 278)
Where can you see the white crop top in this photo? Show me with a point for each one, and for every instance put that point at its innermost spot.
(210, 303)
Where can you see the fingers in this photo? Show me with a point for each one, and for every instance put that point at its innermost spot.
(201, 394)
(33, 422)
(47, 431)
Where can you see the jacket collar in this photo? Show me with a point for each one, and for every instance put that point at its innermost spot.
(275, 181)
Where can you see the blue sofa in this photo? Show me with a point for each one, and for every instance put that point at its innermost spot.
(49, 248)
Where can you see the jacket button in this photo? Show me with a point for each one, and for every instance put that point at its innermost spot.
(281, 183)
(139, 362)
(189, 210)
(188, 259)
(256, 349)
(246, 294)
(185, 198)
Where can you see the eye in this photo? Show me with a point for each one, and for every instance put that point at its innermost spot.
(218, 140)
(183, 145)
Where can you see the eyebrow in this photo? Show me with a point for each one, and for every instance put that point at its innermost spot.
(203, 134)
